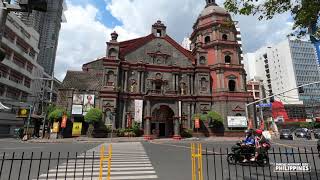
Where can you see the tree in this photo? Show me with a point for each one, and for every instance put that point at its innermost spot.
(216, 119)
(305, 13)
(92, 117)
(55, 114)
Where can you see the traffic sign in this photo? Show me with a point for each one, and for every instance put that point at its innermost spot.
(264, 105)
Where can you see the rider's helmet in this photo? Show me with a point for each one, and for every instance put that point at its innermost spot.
(259, 132)
(248, 132)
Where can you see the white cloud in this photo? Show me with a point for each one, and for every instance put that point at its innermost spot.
(83, 37)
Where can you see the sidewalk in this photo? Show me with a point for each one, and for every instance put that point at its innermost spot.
(129, 139)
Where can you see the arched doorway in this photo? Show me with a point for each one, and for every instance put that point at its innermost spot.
(162, 122)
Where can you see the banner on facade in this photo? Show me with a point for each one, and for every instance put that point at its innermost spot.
(64, 121)
(138, 108)
(76, 109)
(76, 129)
(237, 121)
(180, 113)
(88, 103)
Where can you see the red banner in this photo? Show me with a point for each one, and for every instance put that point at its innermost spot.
(64, 121)
(197, 123)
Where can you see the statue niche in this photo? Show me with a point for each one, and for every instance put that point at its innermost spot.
(133, 86)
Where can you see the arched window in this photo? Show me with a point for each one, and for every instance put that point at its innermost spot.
(224, 37)
(227, 59)
(202, 60)
(112, 52)
(232, 85)
(207, 39)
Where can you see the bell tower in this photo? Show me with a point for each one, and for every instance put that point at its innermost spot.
(214, 46)
(213, 41)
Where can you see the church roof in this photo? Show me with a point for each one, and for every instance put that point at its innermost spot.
(82, 80)
(213, 9)
(131, 45)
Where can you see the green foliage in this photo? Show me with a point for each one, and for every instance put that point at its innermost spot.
(215, 116)
(186, 133)
(56, 114)
(305, 13)
(51, 108)
(94, 115)
(134, 131)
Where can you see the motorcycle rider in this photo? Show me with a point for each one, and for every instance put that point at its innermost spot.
(262, 145)
(247, 145)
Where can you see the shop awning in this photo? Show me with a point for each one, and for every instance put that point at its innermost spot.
(3, 107)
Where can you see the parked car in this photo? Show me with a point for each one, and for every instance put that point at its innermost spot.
(316, 133)
(286, 134)
(302, 133)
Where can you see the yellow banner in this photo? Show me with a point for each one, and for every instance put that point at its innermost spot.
(76, 129)
(56, 127)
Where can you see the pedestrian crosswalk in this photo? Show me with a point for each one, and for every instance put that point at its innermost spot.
(129, 161)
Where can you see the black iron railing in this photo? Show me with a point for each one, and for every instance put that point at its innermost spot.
(49, 165)
(217, 166)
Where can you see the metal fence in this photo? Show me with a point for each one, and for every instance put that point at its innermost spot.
(49, 165)
(216, 166)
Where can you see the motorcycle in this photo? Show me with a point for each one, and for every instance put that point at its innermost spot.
(239, 153)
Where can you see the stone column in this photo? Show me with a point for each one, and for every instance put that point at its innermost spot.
(139, 83)
(174, 82)
(147, 125)
(125, 81)
(176, 128)
(124, 113)
(189, 116)
(192, 85)
(142, 82)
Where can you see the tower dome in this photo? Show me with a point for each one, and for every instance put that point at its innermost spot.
(212, 7)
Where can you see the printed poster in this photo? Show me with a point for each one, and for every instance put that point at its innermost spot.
(88, 102)
(76, 109)
(77, 99)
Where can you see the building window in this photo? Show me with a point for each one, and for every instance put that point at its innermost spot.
(232, 85)
(158, 85)
(238, 114)
(110, 78)
(224, 37)
(202, 60)
(158, 33)
(227, 59)
(207, 39)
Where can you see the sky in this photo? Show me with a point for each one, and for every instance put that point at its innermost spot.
(90, 22)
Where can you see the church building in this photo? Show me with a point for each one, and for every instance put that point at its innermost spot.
(155, 82)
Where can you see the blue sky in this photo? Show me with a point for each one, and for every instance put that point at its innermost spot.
(104, 16)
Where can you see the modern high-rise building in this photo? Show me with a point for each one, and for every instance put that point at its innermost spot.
(285, 66)
(19, 72)
(48, 25)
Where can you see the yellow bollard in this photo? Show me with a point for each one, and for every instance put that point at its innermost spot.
(101, 161)
(109, 162)
(196, 161)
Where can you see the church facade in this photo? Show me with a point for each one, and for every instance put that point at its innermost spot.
(153, 81)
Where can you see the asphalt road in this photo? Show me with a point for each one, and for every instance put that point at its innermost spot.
(170, 159)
